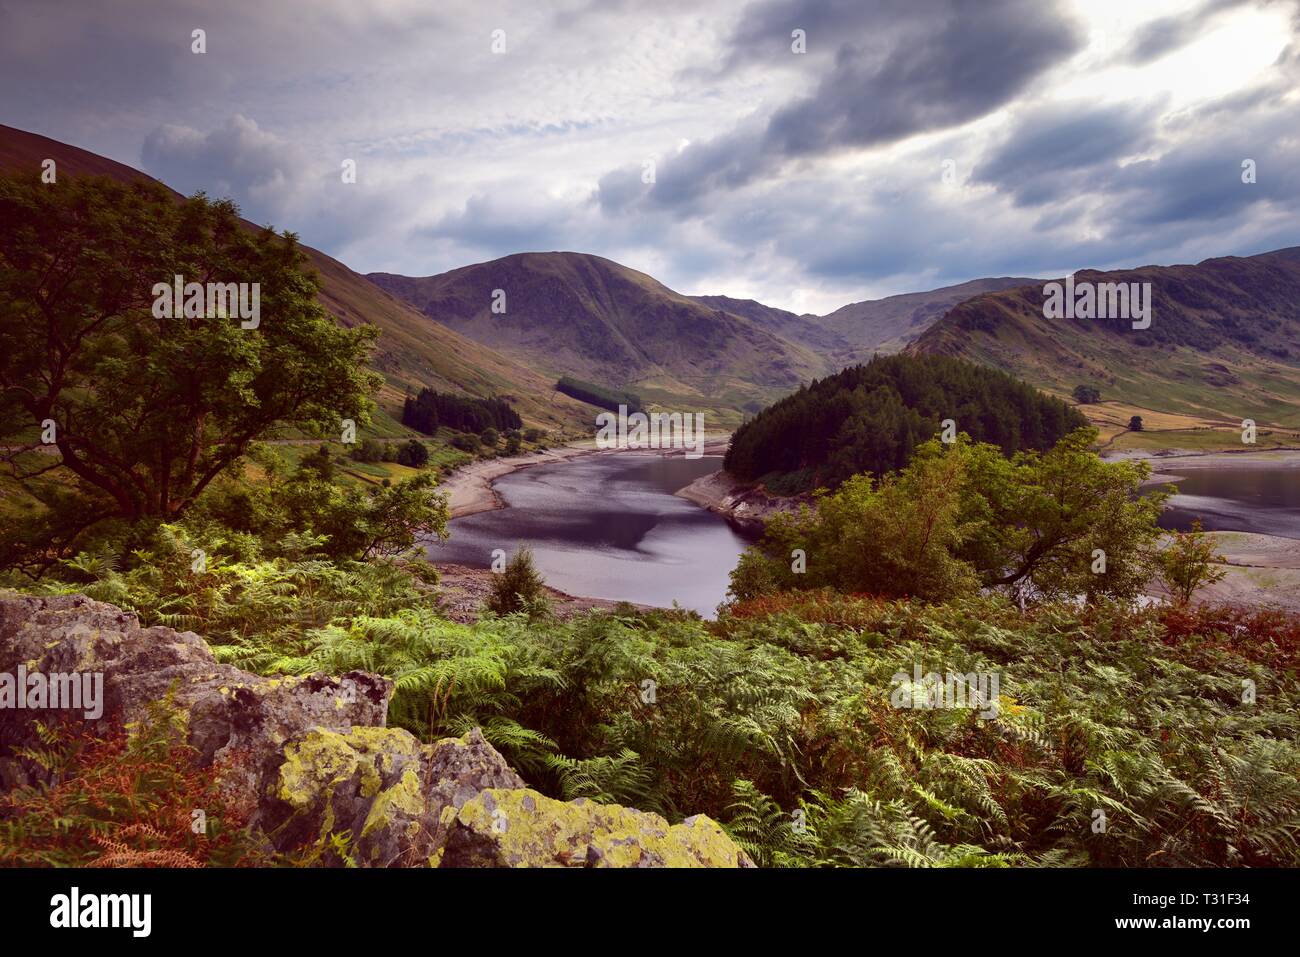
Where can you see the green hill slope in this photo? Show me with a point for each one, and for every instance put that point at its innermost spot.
(1224, 340)
(588, 317)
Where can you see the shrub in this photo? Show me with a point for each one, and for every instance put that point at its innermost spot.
(413, 453)
(125, 799)
(519, 587)
(1190, 562)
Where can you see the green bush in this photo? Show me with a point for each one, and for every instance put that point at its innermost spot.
(413, 453)
(519, 587)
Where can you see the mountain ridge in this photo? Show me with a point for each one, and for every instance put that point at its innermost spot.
(586, 316)
(1224, 339)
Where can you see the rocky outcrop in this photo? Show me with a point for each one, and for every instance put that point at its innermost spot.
(521, 828)
(237, 721)
(311, 762)
(747, 504)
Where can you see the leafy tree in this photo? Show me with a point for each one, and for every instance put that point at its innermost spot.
(490, 438)
(413, 453)
(534, 435)
(519, 587)
(1036, 521)
(1135, 423)
(1087, 394)
(1190, 562)
(466, 442)
(147, 412)
(513, 445)
(1037, 525)
(320, 463)
(368, 450)
(896, 538)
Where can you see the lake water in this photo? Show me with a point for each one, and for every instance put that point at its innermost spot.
(1258, 499)
(608, 526)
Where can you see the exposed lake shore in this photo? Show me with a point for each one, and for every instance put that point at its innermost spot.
(469, 488)
(1263, 570)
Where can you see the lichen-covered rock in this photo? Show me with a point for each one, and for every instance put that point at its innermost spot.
(236, 720)
(521, 828)
(311, 762)
(378, 786)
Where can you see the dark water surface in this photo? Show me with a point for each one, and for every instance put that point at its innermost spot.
(608, 526)
(1258, 499)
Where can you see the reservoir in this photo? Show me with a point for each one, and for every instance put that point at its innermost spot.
(1261, 499)
(608, 526)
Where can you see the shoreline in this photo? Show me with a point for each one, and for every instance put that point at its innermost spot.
(747, 505)
(470, 491)
(463, 591)
(1263, 570)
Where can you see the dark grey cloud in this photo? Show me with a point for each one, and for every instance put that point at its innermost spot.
(958, 63)
(898, 69)
(1054, 152)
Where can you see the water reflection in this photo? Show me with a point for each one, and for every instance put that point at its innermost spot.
(608, 526)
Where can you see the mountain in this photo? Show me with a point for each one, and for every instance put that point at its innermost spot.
(854, 333)
(806, 329)
(888, 325)
(1223, 342)
(585, 316)
(412, 352)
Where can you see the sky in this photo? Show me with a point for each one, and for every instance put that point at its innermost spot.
(911, 144)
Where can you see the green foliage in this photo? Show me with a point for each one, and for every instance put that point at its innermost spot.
(1135, 423)
(1087, 394)
(519, 587)
(228, 590)
(513, 444)
(1190, 562)
(149, 411)
(350, 521)
(763, 714)
(319, 463)
(490, 437)
(431, 410)
(368, 450)
(599, 395)
(414, 454)
(466, 442)
(896, 538)
(871, 418)
(1036, 525)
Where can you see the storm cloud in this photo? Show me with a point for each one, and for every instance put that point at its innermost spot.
(914, 142)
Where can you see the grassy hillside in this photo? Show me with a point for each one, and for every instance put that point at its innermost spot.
(1224, 341)
(588, 317)
(412, 351)
(888, 325)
